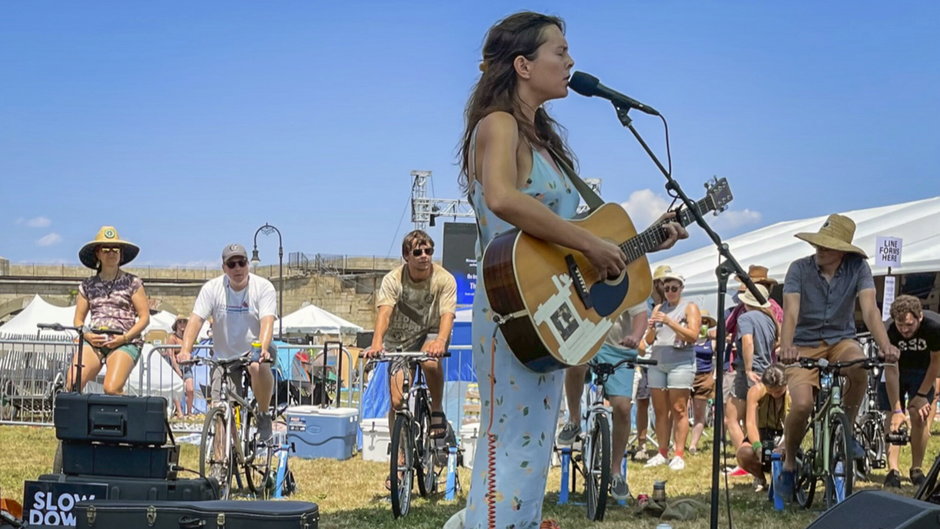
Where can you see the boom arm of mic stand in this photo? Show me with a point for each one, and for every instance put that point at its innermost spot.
(727, 267)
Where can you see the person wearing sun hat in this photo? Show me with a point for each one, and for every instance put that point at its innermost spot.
(674, 327)
(116, 301)
(819, 295)
(756, 339)
(759, 275)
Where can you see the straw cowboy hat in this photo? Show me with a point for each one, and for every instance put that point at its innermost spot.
(107, 235)
(660, 271)
(670, 275)
(758, 275)
(835, 234)
(748, 299)
(179, 318)
(708, 319)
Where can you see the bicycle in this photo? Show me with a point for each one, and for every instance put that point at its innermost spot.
(870, 424)
(929, 490)
(413, 453)
(828, 458)
(596, 450)
(243, 453)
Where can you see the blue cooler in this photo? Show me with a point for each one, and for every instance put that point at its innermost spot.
(322, 432)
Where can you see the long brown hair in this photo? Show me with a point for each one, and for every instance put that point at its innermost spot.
(515, 35)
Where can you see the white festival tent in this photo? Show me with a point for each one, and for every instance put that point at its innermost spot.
(311, 319)
(776, 247)
(23, 325)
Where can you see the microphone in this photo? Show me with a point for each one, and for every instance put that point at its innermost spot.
(588, 85)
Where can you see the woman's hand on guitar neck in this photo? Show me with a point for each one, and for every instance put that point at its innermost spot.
(674, 230)
(607, 258)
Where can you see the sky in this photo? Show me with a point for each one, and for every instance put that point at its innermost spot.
(188, 125)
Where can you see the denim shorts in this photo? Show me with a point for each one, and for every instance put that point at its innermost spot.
(672, 376)
(620, 383)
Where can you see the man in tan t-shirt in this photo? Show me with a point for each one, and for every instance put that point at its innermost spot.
(416, 306)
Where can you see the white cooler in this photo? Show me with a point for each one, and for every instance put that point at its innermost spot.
(375, 439)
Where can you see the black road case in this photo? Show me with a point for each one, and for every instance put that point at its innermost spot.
(111, 418)
(111, 514)
(144, 489)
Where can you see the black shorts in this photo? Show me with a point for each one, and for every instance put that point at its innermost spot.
(909, 381)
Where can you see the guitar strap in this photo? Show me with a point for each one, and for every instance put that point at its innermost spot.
(591, 198)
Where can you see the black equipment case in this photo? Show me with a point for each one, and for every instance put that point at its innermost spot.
(110, 514)
(111, 418)
(119, 460)
(143, 489)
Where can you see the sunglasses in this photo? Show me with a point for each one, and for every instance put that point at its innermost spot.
(418, 251)
(672, 288)
(236, 263)
(109, 249)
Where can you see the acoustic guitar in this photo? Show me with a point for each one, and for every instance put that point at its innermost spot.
(554, 309)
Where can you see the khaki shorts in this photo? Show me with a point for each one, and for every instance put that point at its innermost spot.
(703, 387)
(838, 352)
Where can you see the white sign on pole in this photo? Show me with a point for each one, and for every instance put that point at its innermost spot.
(888, 251)
(888, 298)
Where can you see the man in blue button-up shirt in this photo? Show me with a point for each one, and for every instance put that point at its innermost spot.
(819, 296)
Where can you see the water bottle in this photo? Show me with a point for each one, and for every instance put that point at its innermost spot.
(838, 480)
(659, 491)
(776, 466)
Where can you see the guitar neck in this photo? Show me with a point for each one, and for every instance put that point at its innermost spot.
(652, 237)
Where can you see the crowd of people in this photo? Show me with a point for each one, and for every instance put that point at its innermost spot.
(517, 171)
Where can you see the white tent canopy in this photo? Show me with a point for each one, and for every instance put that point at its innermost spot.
(311, 319)
(776, 247)
(39, 311)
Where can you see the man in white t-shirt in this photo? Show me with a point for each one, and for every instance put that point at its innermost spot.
(242, 307)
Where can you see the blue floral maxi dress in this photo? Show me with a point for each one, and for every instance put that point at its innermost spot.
(525, 407)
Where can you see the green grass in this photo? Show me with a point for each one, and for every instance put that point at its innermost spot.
(351, 493)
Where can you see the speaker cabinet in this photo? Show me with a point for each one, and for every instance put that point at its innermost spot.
(876, 509)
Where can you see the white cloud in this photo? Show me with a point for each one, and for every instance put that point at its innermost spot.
(644, 206)
(49, 240)
(735, 219)
(39, 222)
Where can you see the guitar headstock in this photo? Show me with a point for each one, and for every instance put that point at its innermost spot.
(718, 195)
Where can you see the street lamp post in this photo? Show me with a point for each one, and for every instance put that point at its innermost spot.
(267, 229)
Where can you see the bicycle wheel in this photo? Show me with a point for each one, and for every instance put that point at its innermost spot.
(597, 468)
(215, 452)
(424, 449)
(258, 457)
(840, 475)
(805, 487)
(929, 490)
(401, 465)
(871, 435)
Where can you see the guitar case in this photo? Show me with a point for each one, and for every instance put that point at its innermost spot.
(119, 514)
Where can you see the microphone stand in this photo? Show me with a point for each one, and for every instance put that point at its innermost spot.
(726, 267)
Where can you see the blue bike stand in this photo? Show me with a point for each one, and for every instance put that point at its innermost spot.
(450, 493)
(281, 471)
(565, 475)
(623, 469)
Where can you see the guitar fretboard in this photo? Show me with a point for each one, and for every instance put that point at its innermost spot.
(652, 237)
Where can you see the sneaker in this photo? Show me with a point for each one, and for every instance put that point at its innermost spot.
(265, 430)
(917, 477)
(760, 484)
(641, 455)
(569, 432)
(893, 480)
(677, 463)
(618, 488)
(736, 472)
(785, 485)
(656, 460)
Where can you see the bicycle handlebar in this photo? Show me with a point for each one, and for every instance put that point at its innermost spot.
(59, 327)
(832, 367)
(605, 368)
(242, 359)
(404, 354)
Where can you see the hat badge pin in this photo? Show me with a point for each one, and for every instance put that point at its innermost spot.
(109, 234)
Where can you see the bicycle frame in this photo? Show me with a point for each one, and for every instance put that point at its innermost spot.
(827, 405)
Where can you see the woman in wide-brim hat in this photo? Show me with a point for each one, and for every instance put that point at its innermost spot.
(116, 302)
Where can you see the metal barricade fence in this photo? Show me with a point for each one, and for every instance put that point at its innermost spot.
(29, 374)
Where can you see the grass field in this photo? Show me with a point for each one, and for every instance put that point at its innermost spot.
(351, 493)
